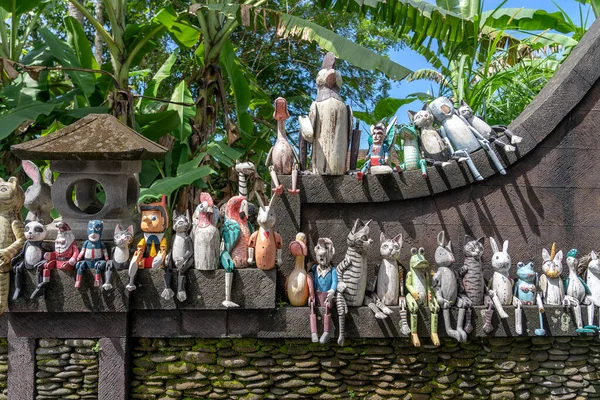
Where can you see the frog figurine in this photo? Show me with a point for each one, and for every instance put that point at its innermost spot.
(524, 292)
(418, 284)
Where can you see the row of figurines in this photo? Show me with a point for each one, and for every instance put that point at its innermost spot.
(329, 128)
(345, 284)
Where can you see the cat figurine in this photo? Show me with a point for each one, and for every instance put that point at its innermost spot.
(434, 148)
(471, 276)
(121, 253)
(181, 256)
(487, 131)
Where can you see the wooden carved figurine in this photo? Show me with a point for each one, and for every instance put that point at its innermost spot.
(322, 291)
(550, 285)
(381, 141)
(297, 284)
(265, 244)
(64, 256)
(488, 132)
(93, 254)
(411, 153)
(283, 158)
(352, 273)
(329, 123)
(234, 244)
(12, 238)
(151, 250)
(592, 278)
(471, 274)
(524, 293)
(206, 234)
(38, 199)
(181, 256)
(434, 150)
(576, 291)
(121, 253)
(31, 255)
(445, 286)
(501, 285)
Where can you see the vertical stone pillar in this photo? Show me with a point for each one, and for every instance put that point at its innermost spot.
(113, 378)
(21, 368)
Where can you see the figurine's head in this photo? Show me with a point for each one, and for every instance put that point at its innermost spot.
(154, 216)
(281, 112)
(123, 237)
(324, 251)
(329, 78)
(390, 248)
(464, 110)
(378, 133)
(474, 248)
(441, 108)
(552, 265)
(181, 222)
(298, 246)
(266, 214)
(572, 261)
(525, 272)
(64, 236)
(422, 118)
(594, 264)
(35, 230)
(359, 236)
(417, 260)
(500, 258)
(443, 253)
(94, 230)
(11, 194)
(237, 209)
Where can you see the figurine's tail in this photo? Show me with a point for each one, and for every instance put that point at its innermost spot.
(342, 309)
(4, 289)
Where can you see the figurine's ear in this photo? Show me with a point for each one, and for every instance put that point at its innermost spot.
(468, 238)
(187, 214)
(130, 229)
(463, 103)
(545, 255)
(13, 181)
(505, 246)
(118, 228)
(594, 256)
(558, 257)
(440, 238)
(48, 177)
(411, 115)
(382, 237)
(175, 214)
(449, 246)
(355, 225)
(368, 222)
(32, 171)
(494, 245)
(41, 221)
(398, 240)
(481, 241)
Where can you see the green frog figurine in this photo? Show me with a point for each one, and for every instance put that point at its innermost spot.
(418, 284)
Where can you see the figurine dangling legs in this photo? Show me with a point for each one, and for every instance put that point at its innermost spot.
(514, 138)
(181, 277)
(44, 281)
(294, 189)
(342, 309)
(277, 187)
(228, 284)
(404, 328)
(464, 314)
(434, 308)
(573, 304)
(489, 313)
(167, 292)
(413, 308)
(518, 315)
(453, 333)
(321, 301)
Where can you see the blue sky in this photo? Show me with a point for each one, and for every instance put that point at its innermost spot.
(415, 61)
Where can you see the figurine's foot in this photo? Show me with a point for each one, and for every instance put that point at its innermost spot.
(454, 334)
(516, 139)
(385, 309)
(340, 341)
(404, 329)
(435, 339)
(540, 332)
(324, 338)
(509, 149)
(293, 191)
(130, 287)
(380, 315)
(16, 294)
(96, 283)
(415, 340)
(468, 328)
(167, 294)
(107, 286)
(360, 175)
(314, 337)
(444, 163)
(278, 190)
(487, 328)
(181, 296)
(229, 304)
(78, 284)
(463, 336)
(37, 292)
(585, 330)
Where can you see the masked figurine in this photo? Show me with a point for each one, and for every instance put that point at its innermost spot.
(12, 237)
(181, 257)
(322, 291)
(151, 250)
(297, 284)
(121, 253)
(550, 286)
(64, 256)
(461, 136)
(32, 255)
(265, 244)
(489, 132)
(525, 293)
(592, 279)
(282, 156)
(352, 273)
(501, 286)
(576, 291)
(329, 123)
(235, 237)
(93, 254)
(381, 141)
(206, 234)
(421, 293)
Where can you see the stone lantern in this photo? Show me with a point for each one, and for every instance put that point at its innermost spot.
(97, 159)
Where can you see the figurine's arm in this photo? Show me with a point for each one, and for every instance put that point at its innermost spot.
(332, 288)
(82, 252)
(251, 246)
(401, 280)
(409, 285)
(311, 287)
(139, 252)
(9, 252)
(446, 140)
(104, 251)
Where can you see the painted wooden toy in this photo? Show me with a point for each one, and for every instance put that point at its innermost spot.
(38, 199)
(206, 234)
(181, 257)
(592, 279)
(381, 140)
(31, 256)
(352, 273)
(576, 291)
(297, 284)
(329, 123)
(121, 253)
(488, 132)
(434, 150)
(93, 254)
(411, 151)
(550, 285)
(524, 293)
(282, 156)
(445, 286)
(421, 294)
(151, 250)
(12, 237)
(324, 279)
(265, 244)
(64, 256)
(235, 237)
(472, 282)
(500, 287)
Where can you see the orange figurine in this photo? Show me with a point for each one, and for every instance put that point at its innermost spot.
(265, 244)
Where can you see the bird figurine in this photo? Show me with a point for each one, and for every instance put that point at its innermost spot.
(206, 234)
(297, 283)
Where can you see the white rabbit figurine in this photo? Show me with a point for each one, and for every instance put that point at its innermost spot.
(501, 286)
(38, 199)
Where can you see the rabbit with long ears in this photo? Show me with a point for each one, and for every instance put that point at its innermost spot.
(501, 286)
(38, 199)
(445, 286)
(265, 244)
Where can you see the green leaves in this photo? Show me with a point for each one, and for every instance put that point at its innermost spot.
(147, 105)
(526, 19)
(10, 120)
(182, 94)
(241, 89)
(384, 108)
(169, 184)
(19, 7)
(180, 30)
(79, 42)
(159, 124)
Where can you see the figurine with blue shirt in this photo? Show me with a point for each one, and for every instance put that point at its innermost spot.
(322, 286)
(93, 253)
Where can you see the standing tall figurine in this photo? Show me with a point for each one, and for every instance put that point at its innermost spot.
(151, 250)
(64, 256)
(235, 236)
(265, 244)
(329, 124)
(283, 158)
(93, 254)
(32, 255)
(421, 293)
(381, 140)
(181, 256)
(471, 275)
(352, 273)
(206, 234)
(297, 284)
(576, 291)
(322, 291)
(12, 237)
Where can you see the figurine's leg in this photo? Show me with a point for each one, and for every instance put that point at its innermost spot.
(495, 160)
(434, 327)
(489, 313)
(413, 308)
(591, 314)
(507, 148)
(313, 324)
(541, 331)
(326, 323)
(385, 309)
(294, 189)
(453, 333)
(464, 305)
(181, 278)
(499, 307)
(573, 304)
(464, 154)
(228, 284)
(404, 328)
(514, 138)
(108, 275)
(80, 266)
(276, 186)
(342, 309)
(133, 268)
(18, 279)
(370, 302)
(100, 266)
(39, 290)
(518, 316)
(167, 292)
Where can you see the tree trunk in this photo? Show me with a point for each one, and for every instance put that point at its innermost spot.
(98, 42)
(75, 13)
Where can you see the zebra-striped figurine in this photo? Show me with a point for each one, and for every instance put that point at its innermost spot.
(352, 273)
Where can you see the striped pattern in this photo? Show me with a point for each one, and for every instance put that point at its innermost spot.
(243, 185)
(411, 156)
(353, 272)
(473, 280)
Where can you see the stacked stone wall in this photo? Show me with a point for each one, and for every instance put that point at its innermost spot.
(496, 368)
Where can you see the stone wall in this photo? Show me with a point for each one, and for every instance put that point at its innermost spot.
(67, 369)
(3, 369)
(497, 368)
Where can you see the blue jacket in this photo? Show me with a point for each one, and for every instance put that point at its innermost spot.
(325, 283)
